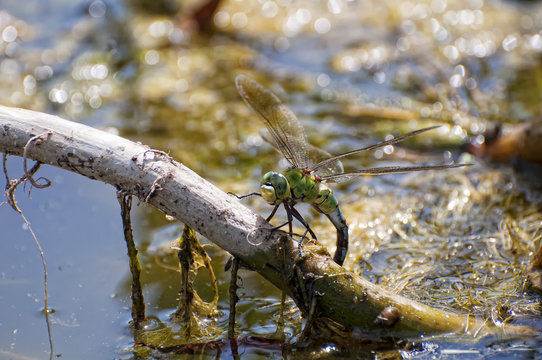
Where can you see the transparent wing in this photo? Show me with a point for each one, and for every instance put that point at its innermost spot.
(387, 170)
(329, 162)
(286, 132)
(315, 155)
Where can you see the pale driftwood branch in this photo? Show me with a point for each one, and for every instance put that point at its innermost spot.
(136, 169)
(153, 177)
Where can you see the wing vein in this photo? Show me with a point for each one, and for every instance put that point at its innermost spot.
(371, 147)
(391, 170)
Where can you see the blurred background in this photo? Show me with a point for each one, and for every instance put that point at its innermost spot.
(355, 72)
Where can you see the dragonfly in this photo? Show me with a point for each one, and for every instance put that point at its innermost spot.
(311, 168)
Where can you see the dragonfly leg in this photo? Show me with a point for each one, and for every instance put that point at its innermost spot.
(273, 214)
(244, 196)
(293, 212)
(299, 218)
(278, 227)
(289, 214)
(289, 222)
(290, 233)
(300, 243)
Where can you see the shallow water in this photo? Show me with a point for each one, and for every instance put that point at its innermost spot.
(354, 72)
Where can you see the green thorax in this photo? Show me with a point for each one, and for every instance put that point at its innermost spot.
(303, 185)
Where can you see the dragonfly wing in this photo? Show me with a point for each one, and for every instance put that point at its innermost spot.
(286, 132)
(317, 155)
(326, 162)
(388, 170)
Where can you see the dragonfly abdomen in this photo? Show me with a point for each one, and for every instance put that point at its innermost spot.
(338, 220)
(308, 188)
(326, 202)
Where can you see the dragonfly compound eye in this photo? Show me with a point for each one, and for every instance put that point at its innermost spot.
(274, 187)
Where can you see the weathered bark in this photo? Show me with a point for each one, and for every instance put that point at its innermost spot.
(155, 178)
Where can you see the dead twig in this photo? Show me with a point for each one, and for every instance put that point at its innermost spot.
(38, 139)
(138, 302)
(11, 186)
(233, 297)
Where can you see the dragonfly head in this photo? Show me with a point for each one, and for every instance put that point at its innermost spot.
(274, 188)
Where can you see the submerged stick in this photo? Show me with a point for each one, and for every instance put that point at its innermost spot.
(192, 257)
(233, 297)
(348, 299)
(138, 303)
(186, 261)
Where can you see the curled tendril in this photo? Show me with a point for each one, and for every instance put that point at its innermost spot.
(29, 174)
